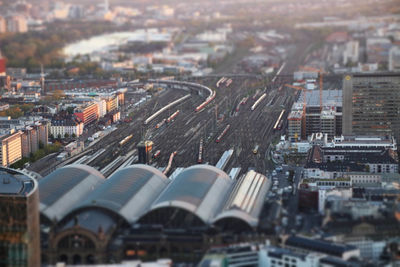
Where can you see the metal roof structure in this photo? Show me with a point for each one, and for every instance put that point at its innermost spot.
(200, 189)
(129, 192)
(247, 199)
(62, 189)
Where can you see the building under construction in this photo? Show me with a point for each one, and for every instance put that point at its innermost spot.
(326, 120)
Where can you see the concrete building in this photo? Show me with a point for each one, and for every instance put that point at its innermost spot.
(88, 113)
(365, 141)
(29, 141)
(3, 25)
(306, 245)
(144, 151)
(112, 103)
(330, 163)
(328, 120)
(19, 219)
(371, 103)
(102, 107)
(33, 136)
(394, 59)
(351, 52)
(70, 125)
(296, 125)
(17, 24)
(11, 148)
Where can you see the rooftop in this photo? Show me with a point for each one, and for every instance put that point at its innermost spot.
(329, 98)
(319, 245)
(15, 183)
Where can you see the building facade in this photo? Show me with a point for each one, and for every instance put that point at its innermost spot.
(371, 104)
(19, 220)
(11, 148)
(70, 126)
(112, 103)
(88, 113)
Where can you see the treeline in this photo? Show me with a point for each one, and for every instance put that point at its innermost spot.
(33, 48)
(43, 151)
(17, 111)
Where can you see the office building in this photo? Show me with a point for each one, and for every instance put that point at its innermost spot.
(327, 121)
(19, 219)
(17, 24)
(33, 137)
(144, 150)
(2, 66)
(112, 103)
(60, 127)
(88, 113)
(306, 245)
(3, 25)
(394, 59)
(371, 103)
(11, 148)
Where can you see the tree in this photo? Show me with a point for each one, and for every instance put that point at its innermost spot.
(41, 145)
(51, 136)
(70, 110)
(66, 135)
(73, 135)
(59, 136)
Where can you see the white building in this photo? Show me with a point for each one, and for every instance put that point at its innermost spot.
(351, 52)
(102, 107)
(394, 59)
(59, 128)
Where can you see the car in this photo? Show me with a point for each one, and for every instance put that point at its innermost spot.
(275, 182)
(287, 173)
(278, 169)
(274, 173)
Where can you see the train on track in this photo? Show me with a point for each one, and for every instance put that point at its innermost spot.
(223, 133)
(200, 156)
(205, 103)
(173, 116)
(157, 154)
(161, 123)
(255, 149)
(279, 122)
(258, 101)
(125, 140)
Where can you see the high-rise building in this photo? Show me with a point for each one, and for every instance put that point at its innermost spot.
(371, 104)
(11, 148)
(2, 62)
(17, 24)
(3, 25)
(88, 113)
(328, 120)
(19, 219)
(394, 58)
(144, 150)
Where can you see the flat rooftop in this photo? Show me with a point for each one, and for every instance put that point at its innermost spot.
(329, 97)
(15, 183)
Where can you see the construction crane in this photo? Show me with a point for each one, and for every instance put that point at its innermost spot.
(303, 126)
(321, 82)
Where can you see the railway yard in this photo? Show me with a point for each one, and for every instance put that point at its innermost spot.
(238, 113)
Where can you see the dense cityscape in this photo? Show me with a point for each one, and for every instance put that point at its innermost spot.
(199, 133)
